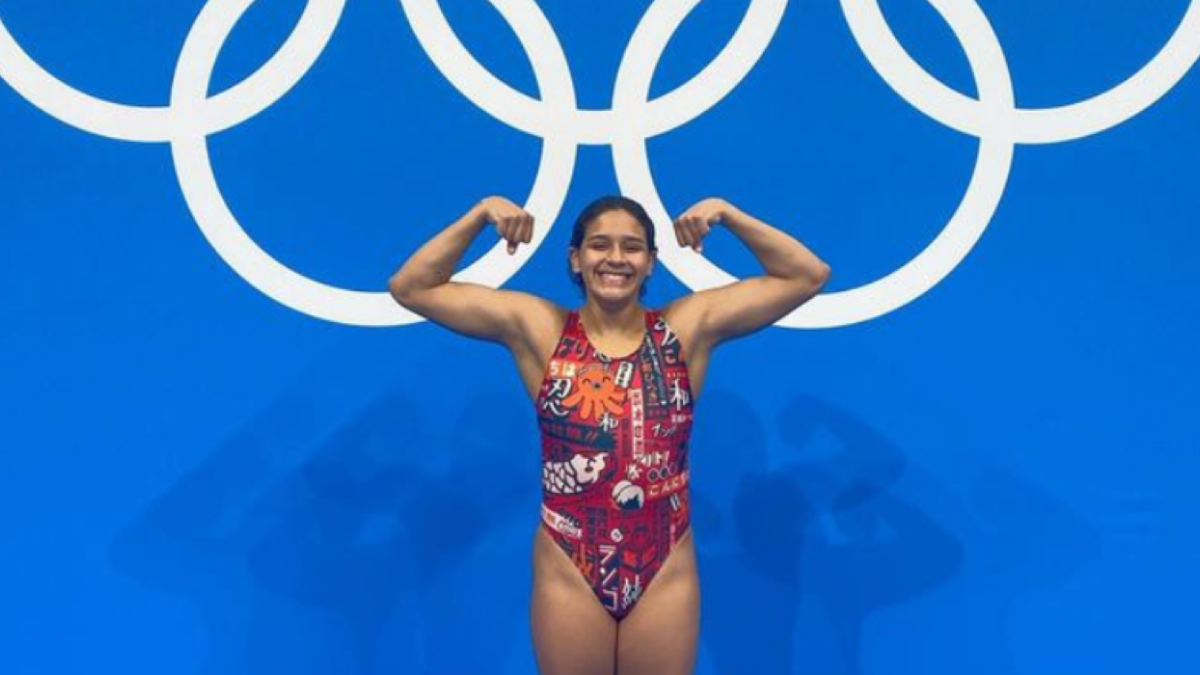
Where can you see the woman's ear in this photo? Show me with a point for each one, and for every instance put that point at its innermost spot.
(573, 258)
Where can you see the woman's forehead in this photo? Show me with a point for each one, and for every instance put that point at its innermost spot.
(616, 223)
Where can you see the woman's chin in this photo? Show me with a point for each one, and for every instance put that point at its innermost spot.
(613, 294)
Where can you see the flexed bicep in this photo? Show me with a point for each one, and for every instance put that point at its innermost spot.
(794, 274)
(748, 306)
(423, 285)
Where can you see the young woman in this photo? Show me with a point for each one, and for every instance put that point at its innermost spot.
(614, 383)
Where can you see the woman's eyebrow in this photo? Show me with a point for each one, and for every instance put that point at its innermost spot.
(607, 237)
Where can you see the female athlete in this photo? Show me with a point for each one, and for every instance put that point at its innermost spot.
(614, 383)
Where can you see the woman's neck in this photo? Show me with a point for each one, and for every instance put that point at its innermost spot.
(626, 319)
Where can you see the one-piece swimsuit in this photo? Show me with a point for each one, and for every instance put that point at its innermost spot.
(615, 437)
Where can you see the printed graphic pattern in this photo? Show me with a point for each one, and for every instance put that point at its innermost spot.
(615, 458)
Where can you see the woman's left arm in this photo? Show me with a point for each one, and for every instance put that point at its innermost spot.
(793, 274)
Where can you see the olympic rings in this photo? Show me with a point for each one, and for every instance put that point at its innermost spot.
(192, 116)
(659, 474)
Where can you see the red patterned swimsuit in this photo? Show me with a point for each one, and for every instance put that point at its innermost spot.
(615, 458)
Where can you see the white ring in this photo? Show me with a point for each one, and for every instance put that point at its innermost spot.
(157, 124)
(1028, 125)
(901, 286)
(277, 281)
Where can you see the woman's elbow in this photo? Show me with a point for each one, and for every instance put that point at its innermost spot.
(826, 272)
(400, 290)
(821, 275)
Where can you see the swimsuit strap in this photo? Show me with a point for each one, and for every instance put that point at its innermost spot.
(651, 319)
(573, 324)
(572, 342)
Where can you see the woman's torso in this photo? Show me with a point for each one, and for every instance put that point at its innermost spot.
(565, 336)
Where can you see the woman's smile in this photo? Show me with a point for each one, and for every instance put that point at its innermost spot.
(614, 278)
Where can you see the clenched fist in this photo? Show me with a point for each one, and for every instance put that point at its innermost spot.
(694, 224)
(513, 223)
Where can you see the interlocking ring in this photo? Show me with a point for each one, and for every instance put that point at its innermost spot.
(193, 115)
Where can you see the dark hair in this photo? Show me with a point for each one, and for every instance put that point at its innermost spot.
(598, 208)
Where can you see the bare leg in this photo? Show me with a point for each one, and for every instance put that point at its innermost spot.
(660, 635)
(572, 633)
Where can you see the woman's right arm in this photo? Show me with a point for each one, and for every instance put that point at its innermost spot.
(423, 283)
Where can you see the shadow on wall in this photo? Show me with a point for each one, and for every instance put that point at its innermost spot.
(815, 546)
(353, 556)
(359, 553)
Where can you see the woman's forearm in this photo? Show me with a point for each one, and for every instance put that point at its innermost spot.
(434, 263)
(780, 254)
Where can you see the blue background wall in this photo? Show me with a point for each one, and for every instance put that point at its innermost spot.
(996, 478)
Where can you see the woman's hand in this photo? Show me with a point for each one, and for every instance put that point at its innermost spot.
(513, 223)
(694, 224)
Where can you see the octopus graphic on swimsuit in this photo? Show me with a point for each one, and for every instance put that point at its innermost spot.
(615, 437)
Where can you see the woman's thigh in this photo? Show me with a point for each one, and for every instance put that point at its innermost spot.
(660, 635)
(572, 633)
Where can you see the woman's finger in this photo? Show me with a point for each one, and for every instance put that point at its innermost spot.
(506, 233)
(697, 231)
(685, 237)
(511, 234)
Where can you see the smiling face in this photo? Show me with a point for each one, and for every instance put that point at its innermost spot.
(614, 258)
